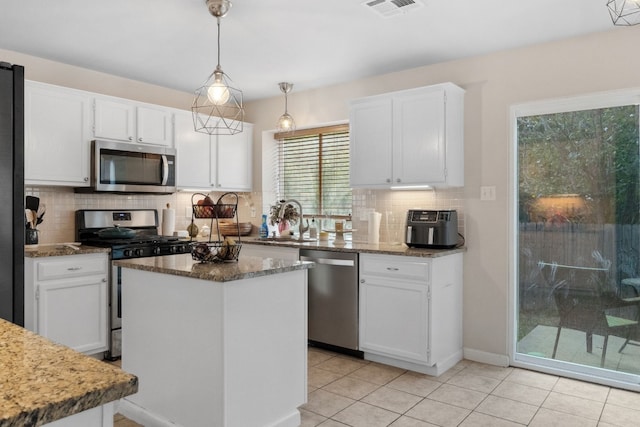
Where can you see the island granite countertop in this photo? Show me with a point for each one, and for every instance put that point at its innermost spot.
(184, 265)
(41, 381)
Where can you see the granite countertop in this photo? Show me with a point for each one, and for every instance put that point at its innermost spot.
(41, 381)
(61, 249)
(184, 265)
(350, 246)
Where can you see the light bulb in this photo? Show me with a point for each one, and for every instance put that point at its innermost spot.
(218, 93)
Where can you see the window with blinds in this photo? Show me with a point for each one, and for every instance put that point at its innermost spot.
(312, 166)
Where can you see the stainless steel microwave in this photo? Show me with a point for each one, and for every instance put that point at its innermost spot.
(125, 167)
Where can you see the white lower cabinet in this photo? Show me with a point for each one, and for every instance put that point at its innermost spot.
(66, 300)
(411, 311)
(100, 416)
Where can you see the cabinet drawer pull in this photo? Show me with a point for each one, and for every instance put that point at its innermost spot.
(393, 268)
(74, 268)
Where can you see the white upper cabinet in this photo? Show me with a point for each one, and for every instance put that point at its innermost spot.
(233, 160)
(212, 163)
(57, 135)
(124, 120)
(408, 138)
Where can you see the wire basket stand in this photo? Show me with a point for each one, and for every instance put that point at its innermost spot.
(219, 250)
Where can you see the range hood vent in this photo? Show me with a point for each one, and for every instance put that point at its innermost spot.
(388, 8)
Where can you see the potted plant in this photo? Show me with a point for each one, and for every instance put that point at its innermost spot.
(289, 218)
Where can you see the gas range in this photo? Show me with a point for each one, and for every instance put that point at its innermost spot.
(139, 247)
(145, 243)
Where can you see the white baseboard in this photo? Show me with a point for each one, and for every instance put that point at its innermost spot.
(142, 416)
(435, 370)
(291, 420)
(485, 357)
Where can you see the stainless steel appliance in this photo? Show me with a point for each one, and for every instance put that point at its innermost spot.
(132, 168)
(333, 300)
(431, 229)
(12, 214)
(143, 241)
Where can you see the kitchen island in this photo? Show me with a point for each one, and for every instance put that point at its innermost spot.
(43, 383)
(216, 344)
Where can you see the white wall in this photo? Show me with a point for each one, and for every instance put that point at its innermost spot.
(493, 83)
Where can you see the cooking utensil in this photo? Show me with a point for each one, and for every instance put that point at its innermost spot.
(32, 202)
(116, 232)
(40, 213)
(28, 214)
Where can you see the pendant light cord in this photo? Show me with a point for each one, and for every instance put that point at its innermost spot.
(218, 19)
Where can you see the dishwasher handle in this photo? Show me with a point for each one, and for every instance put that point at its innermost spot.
(330, 261)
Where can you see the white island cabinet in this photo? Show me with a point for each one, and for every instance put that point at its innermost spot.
(408, 138)
(66, 300)
(217, 345)
(411, 311)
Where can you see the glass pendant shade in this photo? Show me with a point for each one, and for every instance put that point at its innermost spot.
(217, 107)
(286, 122)
(624, 12)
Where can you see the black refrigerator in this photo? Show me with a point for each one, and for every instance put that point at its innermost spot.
(12, 217)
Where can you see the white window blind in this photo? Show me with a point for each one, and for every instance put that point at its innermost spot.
(312, 167)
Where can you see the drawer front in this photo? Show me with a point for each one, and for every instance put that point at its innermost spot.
(72, 266)
(396, 266)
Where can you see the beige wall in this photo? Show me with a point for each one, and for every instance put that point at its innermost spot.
(493, 83)
(598, 62)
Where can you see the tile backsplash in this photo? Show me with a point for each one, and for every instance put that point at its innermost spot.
(61, 203)
(393, 205)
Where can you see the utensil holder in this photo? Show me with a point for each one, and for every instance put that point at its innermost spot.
(31, 236)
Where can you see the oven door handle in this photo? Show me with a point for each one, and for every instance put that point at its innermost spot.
(165, 170)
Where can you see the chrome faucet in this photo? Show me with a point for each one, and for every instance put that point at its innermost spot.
(301, 228)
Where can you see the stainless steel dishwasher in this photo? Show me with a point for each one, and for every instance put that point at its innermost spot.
(333, 299)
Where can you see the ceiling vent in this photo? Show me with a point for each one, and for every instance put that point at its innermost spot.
(388, 8)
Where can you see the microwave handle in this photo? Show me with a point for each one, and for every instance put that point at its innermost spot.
(165, 170)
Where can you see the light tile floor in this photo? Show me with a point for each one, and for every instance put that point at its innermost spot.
(345, 391)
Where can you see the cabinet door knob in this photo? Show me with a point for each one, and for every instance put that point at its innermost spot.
(398, 180)
(130, 138)
(86, 179)
(389, 180)
(392, 268)
(104, 280)
(139, 139)
(362, 281)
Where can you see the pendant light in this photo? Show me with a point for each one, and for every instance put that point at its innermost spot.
(624, 12)
(286, 122)
(217, 108)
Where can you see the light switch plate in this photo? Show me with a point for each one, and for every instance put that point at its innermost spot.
(488, 193)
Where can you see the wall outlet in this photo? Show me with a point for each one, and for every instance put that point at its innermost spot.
(253, 212)
(488, 193)
(187, 211)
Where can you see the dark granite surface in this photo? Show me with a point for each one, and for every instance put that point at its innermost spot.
(184, 265)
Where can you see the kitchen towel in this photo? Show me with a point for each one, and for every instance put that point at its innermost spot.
(168, 221)
(374, 227)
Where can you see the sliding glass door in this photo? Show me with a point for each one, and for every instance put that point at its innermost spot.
(578, 236)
